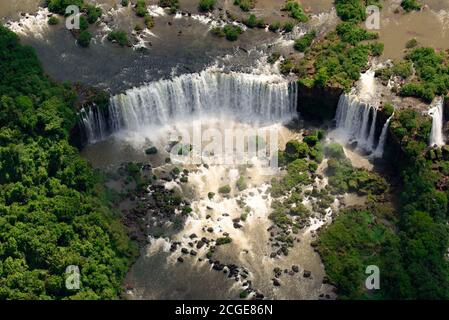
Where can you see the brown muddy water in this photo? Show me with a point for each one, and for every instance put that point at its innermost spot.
(430, 27)
(177, 44)
(158, 275)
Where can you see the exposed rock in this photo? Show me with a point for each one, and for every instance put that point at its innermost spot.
(200, 244)
(237, 225)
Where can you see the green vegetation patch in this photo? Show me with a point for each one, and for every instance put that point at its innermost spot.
(84, 38)
(253, 22)
(230, 31)
(120, 36)
(334, 62)
(401, 69)
(432, 74)
(295, 10)
(245, 5)
(53, 20)
(206, 5)
(343, 177)
(355, 240)
(305, 41)
(411, 5)
(172, 4)
(223, 241)
(54, 210)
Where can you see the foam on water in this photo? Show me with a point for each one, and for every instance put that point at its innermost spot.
(34, 25)
(436, 112)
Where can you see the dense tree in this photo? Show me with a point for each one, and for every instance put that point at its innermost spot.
(52, 208)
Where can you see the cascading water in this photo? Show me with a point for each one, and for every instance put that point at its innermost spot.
(250, 98)
(379, 152)
(356, 117)
(436, 112)
(356, 122)
(94, 124)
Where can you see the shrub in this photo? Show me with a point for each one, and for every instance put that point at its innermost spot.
(334, 150)
(84, 38)
(84, 24)
(433, 76)
(141, 8)
(351, 33)
(217, 31)
(253, 22)
(388, 109)
(295, 10)
(149, 21)
(377, 48)
(245, 5)
(295, 149)
(411, 43)
(206, 5)
(53, 20)
(288, 27)
(172, 4)
(59, 6)
(93, 13)
(410, 5)
(311, 140)
(232, 32)
(120, 36)
(225, 189)
(417, 90)
(402, 69)
(151, 150)
(305, 41)
(223, 240)
(125, 3)
(350, 10)
(286, 66)
(241, 184)
(275, 26)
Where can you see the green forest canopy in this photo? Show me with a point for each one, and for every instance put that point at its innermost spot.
(53, 212)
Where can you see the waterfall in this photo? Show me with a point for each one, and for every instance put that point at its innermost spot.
(94, 124)
(250, 98)
(436, 112)
(356, 117)
(379, 152)
(356, 122)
